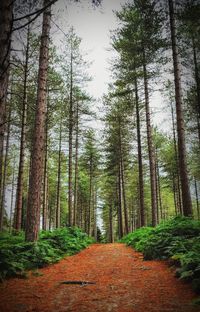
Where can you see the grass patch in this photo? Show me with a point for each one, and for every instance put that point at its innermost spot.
(17, 256)
(177, 240)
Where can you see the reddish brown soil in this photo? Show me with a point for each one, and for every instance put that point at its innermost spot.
(124, 283)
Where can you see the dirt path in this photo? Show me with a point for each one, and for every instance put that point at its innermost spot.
(124, 283)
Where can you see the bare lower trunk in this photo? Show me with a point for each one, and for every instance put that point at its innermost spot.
(140, 166)
(70, 217)
(76, 165)
(179, 202)
(6, 22)
(3, 195)
(19, 193)
(150, 146)
(111, 240)
(58, 179)
(12, 194)
(185, 188)
(45, 179)
(37, 161)
(197, 199)
(120, 221)
(197, 80)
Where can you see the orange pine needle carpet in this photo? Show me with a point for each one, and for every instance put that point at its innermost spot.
(123, 283)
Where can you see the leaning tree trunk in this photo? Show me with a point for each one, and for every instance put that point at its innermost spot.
(6, 22)
(140, 166)
(36, 170)
(20, 180)
(185, 188)
(150, 146)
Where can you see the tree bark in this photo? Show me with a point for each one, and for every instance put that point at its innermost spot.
(59, 178)
(179, 202)
(36, 170)
(197, 80)
(197, 198)
(45, 177)
(140, 165)
(76, 165)
(120, 221)
(150, 146)
(5, 169)
(20, 180)
(6, 23)
(185, 188)
(70, 217)
(12, 194)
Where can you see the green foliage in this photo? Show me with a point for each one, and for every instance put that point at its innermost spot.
(178, 240)
(16, 255)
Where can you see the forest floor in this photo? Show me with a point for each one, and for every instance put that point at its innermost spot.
(123, 283)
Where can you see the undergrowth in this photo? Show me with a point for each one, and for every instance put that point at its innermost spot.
(18, 256)
(177, 240)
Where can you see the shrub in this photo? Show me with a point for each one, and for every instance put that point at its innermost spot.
(16, 255)
(178, 240)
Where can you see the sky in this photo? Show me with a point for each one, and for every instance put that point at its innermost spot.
(93, 26)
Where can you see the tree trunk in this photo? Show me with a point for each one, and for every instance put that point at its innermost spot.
(124, 198)
(6, 23)
(90, 196)
(197, 199)
(59, 177)
(140, 166)
(185, 188)
(111, 240)
(36, 170)
(159, 197)
(197, 80)
(70, 218)
(120, 221)
(19, 192)
(5, 169)
(150, 146)
(179, 202)
(76, 165)
(12, 194)
(45, 177)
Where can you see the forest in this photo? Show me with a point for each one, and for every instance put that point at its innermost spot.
(124, 168)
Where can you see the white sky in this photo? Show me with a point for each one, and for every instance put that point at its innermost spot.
(93, 26)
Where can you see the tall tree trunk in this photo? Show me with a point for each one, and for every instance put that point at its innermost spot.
(159, 197)
(12, 193)
(45, 177)
(179, 202)
(36, 170)
(6, 23)
(76, 165)
(185, 188)
(150, 145)
(59, 179)
(124, 198)
(120, 220)
(197, 80)
(140, 166)
(174, 193)
(3, 195)
(20, 180)
(70, 218)
(90, 196)
(111, 239)
(197, 198)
